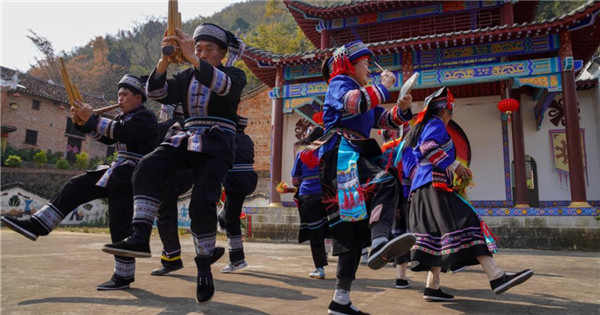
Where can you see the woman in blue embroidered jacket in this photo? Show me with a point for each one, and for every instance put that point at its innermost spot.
(360, 196)
(209, 93)
(313, 219)
(450, 234)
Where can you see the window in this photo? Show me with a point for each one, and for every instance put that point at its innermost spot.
(31, 137)
(35, 105)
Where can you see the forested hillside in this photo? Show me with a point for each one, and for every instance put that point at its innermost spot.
(100, 63)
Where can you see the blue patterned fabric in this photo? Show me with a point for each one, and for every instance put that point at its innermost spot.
(351, 201)
(434, 152)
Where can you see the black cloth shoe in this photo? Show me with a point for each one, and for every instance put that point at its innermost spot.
(436, 295)
(27, 228)
(509, 280)
(165, 269)
(115, 283)
(205, 288)
(402, 284)
(129, 247)
(336, 308)
(386, 252)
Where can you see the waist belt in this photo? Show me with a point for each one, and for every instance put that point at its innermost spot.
(209, 122)
(123, 158)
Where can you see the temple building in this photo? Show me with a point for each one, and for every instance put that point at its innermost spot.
(537, 167)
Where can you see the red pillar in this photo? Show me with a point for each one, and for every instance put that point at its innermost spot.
(276, 141)
(325, 39)
(520, 195)
(574, 149)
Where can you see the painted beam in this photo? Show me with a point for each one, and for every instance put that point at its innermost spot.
(537, 72)
(405, 14)
(514, 47)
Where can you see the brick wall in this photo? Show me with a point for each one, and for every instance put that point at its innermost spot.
(50, 121)
(256, 106)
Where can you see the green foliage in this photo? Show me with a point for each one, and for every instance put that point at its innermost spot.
(53, 156)
(62, 164)
(551, 9)
(95, 162)
(112, 158)
(81, 161)
(13, 161)
(40, 158)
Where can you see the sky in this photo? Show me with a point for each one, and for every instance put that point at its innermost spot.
(73, 23)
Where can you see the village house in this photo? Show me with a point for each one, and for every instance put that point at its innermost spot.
(35, 114)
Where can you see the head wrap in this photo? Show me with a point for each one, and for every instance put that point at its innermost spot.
(345, 57)
(134, 83)
(225, 39)
(440, 99)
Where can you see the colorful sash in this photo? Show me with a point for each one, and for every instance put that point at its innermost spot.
(351, 201)
(490, 239)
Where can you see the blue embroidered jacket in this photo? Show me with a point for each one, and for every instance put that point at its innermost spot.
(305, 178)
(434, 153)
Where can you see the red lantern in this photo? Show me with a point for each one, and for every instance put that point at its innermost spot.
(508, 105)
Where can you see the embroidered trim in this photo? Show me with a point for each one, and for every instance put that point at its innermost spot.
(49, 216)
(103, 126)
(158, 94)
(144, 209)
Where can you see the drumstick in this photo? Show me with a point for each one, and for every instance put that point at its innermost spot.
(378, 66)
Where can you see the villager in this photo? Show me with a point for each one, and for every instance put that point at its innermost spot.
(450, 234)
(134, 132)
(241, 181)
(314, 226)
(209, 93)
(179, 183)
(361, 198)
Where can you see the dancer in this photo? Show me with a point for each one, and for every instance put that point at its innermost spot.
(313, 218)
(360, 197)
(209, 93)
(135, 134)
(450, 234)
(240, 182)
(177, 184)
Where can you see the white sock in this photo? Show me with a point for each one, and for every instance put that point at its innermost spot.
(492, 270)
(341, 296)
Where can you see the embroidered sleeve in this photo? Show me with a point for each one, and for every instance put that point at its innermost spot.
(431, 149)
(360, 100)
(217, 80)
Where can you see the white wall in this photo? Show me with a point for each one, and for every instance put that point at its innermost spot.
(537, 145)
(480, 120)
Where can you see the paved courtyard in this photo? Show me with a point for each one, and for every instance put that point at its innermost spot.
(58, 275)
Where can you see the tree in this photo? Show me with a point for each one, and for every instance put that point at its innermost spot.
(48, 64)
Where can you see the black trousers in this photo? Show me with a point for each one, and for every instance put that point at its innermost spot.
(82, 189)
(149, 181)
(232, 211)
(166, 220)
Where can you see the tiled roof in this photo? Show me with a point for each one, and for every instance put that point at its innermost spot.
(51, 91)
(515, 28)
(308, 15)
(584, 41)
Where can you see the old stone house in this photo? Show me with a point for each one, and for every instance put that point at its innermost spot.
(35, 114)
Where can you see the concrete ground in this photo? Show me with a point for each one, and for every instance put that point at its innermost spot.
(58, 274)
